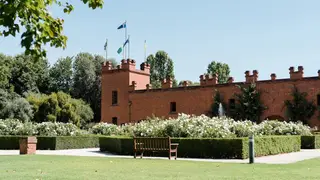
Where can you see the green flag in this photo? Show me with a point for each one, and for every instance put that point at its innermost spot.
(119, 50)
(106, 44)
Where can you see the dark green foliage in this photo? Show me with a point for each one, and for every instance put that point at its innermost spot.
(211, 148)
(118, 145)
(29, 74)
(248, 104)
(14, 106)
(53, 143)
(87, 80)
(161, 67)
(60, 107)
(271, 145)
(221, 69)
(9, 142)
(61, 75)
(32, 18)
(299, 108)
(5, 71)
(310, 142)
(216, 103)
(236, 148)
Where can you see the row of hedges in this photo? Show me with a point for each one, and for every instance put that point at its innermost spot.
(310, 142)
(236, 148)
(53, 143)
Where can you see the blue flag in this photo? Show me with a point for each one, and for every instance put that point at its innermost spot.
(125, 43)
(124, 25)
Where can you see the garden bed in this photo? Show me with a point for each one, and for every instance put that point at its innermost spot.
(217, 148)
(53, 143)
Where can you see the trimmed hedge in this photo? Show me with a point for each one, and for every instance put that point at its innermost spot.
(53, 143)
(271, 145)
(236, 148)
(310, 142)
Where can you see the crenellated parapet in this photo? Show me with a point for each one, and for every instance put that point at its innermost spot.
(296, 75)
(207, 80)
(167, 83)
(126, 65)
(251, 78)
(133, 86)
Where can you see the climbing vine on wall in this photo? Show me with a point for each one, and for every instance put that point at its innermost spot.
(299, 108)
(248, 104)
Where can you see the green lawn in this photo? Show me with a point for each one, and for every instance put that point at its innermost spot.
(66, 167)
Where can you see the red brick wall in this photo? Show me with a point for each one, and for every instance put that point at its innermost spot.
(120, 80)
(195, 99)
(198, 100)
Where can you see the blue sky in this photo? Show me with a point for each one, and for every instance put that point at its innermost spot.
(269, 35)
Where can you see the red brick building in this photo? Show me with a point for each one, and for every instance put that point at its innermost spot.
(127, 95)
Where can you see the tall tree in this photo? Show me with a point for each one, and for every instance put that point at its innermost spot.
(40, 27)
(221, 69)
(190, 83)
(299, 108)
(61, 75)
(161, 67)
(87, 80)
(84, 76)
(29, 74)
(5, 72)
(249, 105)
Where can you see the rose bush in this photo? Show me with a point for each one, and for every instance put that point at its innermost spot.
(16, 127)
(202, 127)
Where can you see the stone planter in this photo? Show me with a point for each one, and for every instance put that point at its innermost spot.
(28, 145)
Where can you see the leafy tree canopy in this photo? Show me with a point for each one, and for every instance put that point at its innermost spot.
(38, 25)
(221, 69)
(299, 108)
(248, 104)
(161, 67)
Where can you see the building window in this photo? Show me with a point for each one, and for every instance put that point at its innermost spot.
(115, 120)
(232, 103)
(173, 107)
(114, 97)
(318, 99)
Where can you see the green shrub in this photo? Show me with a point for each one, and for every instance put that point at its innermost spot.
(14, 106)
(236, 148)
(9, 142)
(271, 145)
(16, 127)
(60, 107)
(190, 126)
(53, 143)
(310, 142)
(118, 145)
(211, 148)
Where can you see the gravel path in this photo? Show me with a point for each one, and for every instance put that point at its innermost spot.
(94, 152)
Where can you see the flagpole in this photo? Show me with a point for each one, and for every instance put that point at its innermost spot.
(107, 51)
(125, 38)
(145, 50)
(128, 46)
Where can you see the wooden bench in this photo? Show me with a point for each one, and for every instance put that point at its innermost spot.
(142, 144)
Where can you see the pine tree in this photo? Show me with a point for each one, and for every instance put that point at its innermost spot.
(299, 108)
(249, 105)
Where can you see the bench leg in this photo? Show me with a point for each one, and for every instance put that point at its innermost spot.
(141, 155)
(135, 154)
(176, 154)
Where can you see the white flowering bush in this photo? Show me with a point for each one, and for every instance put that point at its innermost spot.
(105, 129)
(202, 127)
(16, 127)
(57, 129)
